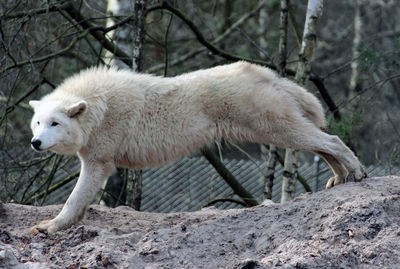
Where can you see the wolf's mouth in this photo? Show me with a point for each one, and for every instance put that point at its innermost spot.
(44, 149)
(36, 149)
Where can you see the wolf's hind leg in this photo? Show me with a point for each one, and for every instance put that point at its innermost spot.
(339, 171)
(344, 155)
(311, 138)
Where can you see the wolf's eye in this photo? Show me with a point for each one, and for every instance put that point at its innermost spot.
(54, 123)
(38, 123)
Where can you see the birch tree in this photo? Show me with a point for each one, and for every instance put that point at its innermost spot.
(267, 155)
(120, 36)
(354, 76)
(314, 10)
(125, 187)
(272, 153)
(114, 187)
(135, 184)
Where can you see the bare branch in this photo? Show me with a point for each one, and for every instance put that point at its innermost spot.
(11, 108)
(98, 35)
(225, 200)
(318, 82)
(213, 49)
(46, 57)
(229, 178)
(197, 51)
(53, 187)
(33, 12)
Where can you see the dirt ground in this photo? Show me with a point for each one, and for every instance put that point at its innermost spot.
(355, 225)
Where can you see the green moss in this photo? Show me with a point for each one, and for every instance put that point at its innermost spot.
(369, 57)
(344, 127)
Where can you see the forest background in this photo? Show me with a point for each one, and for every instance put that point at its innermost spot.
(355, 66)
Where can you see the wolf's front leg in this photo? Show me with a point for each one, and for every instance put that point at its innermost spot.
(92, 176)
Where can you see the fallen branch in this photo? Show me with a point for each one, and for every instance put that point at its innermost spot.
(229, 178)
(225, 200)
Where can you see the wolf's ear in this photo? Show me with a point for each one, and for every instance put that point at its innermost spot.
(77, 109)
(34, 103)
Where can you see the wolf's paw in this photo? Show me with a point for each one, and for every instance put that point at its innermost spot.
(46, 227)
(333, 181)
(356, 176)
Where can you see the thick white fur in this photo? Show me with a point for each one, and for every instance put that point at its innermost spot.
(116, 118)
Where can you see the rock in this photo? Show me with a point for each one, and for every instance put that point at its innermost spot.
(355, 225)
(8, 260)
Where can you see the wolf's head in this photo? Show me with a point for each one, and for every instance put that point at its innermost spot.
(56, 126)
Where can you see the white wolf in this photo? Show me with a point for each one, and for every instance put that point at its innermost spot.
(115, 118)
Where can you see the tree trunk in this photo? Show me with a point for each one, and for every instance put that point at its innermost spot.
(283, 37)
(263, 22)
(228, 5)
(270, 176)
(135, 185)
(314, 10)
(289, 175)
(134, 190)
(138, 34)
(125, 187)
(281, 71)
(120, 36)
(114, 193)
(268, 156)
(290, 165)
(354, 77)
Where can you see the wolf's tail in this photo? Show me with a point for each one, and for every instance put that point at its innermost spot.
(312, 109)
(309, 105)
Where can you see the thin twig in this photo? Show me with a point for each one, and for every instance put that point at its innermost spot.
(213, 49)
(50, 177)
(53, 187)
(98, 35)
(33, 179)
(197, 51)
(33, 12)
(46, 57)
(265, 53)
(11, 108)
(166, 47)
(225, 200)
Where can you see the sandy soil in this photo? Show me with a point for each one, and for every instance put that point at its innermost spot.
(356, 225)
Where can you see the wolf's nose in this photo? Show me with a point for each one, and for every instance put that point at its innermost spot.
(36, 144)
